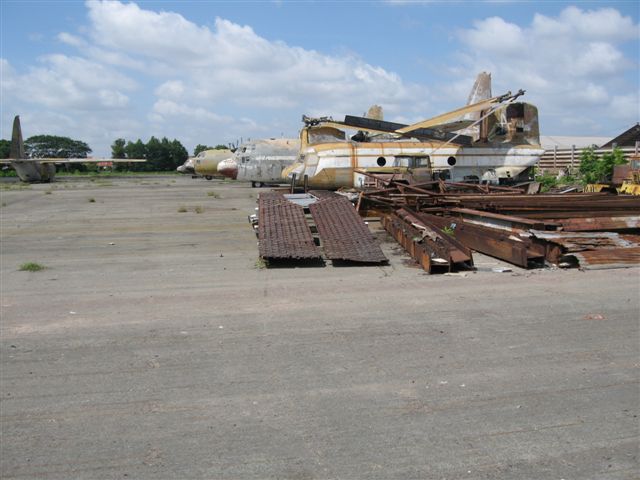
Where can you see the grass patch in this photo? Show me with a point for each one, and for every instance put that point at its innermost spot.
(92, 200)
(31, 267)
(213, 194)
(199, 209)
(16, 186)
(261, 263)
(48, 192)
(182, 209)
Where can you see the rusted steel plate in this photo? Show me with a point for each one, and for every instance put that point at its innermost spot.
(608, 257)
(343, 234)
(283, 231)
(592, 224)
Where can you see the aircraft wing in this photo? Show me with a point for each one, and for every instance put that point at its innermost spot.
(75, 160)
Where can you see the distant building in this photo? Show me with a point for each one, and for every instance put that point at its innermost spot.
(625, 139)
(563, 153)
(561, 143)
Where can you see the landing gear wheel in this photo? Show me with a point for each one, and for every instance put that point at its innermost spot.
(208, 177)
(253, 184)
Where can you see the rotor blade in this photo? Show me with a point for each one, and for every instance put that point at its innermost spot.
(449, 116)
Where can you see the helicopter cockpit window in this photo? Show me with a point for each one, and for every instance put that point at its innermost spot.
(422, 161)
(411, 161)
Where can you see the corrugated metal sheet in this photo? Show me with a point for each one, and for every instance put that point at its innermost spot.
(343, 234)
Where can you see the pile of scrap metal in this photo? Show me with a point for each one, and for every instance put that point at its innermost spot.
(290, 228)
(440, 223)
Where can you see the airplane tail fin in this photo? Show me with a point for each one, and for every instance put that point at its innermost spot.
(17, 145)
(481, 89)
(375, 113)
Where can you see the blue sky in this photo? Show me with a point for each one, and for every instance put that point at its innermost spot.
(212, 72)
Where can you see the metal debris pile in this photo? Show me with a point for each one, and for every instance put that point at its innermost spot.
(286, 232)
(440, 223)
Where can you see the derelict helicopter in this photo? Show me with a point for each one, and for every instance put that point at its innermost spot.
(491, 139)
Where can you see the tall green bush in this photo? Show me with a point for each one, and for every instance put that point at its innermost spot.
(599, 169)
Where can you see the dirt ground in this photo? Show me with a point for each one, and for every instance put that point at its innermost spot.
(155, 345)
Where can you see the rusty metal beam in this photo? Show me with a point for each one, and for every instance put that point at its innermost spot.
(431, 247)
(507, 246)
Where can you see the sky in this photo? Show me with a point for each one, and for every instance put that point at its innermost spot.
(214, 72)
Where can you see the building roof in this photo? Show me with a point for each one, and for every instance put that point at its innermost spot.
(625, 139)
(549, 142)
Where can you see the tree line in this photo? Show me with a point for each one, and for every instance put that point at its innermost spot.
(161, 155)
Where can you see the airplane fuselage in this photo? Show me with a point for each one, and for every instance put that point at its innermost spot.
(34, 171)
(335, 165)
(261, 161)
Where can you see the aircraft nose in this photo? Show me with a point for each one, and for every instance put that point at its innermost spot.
(229, 172)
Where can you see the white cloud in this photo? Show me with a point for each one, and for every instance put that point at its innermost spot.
(571, 65)
(233, 63)
(138, 72)
(70, 83)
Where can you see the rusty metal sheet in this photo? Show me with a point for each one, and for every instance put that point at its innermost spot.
(343, 234)
(629, 222)
(283, 231)
(607, 258)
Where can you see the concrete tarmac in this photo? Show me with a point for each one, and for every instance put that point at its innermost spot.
(154, 345)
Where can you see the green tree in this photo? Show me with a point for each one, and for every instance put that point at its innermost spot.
(200, 148)
(52, 146)
(118, 149)
(5, 148)
(179, 154)
(596, 169)
(162, 155)
(221, 147)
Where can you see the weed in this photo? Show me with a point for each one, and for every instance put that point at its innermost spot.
(261, 263)
(92, 200)
(449, 231)
(48, 192)
(182, 209)
(199, 209)
(213, 194)
(31, 267)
